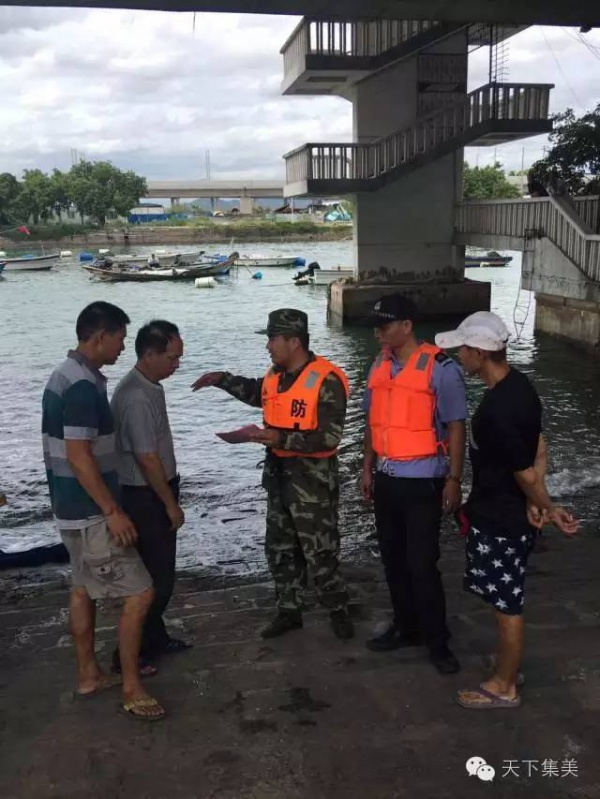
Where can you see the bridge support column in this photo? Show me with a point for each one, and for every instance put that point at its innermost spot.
(403, 232)
(246, 205)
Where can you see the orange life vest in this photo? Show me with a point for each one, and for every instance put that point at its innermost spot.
(297, 408)
(402, 408)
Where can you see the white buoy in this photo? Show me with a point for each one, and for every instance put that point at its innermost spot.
(205, 282)
(103, 251)
(2, 254)
(65, 253)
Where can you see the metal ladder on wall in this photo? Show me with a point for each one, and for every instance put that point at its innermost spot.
(525, 298)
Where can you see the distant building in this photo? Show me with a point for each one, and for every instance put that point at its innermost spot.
(147, 212)
(330, 211)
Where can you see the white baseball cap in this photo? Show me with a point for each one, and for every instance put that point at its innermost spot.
(482, 330)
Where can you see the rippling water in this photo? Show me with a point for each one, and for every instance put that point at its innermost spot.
(223, 501)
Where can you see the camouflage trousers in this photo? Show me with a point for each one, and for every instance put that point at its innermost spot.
(303, 539)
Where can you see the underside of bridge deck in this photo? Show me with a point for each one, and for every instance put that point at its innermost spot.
(541, 12)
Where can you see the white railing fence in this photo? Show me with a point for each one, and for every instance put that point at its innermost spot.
(538, 217)
(358, 38)
(505, 101)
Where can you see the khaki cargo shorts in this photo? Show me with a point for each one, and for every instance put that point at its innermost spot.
(101, 567)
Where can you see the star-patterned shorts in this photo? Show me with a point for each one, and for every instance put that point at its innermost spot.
(495, 569)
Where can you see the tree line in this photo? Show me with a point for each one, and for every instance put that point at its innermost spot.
(572, 164)
(95, 190)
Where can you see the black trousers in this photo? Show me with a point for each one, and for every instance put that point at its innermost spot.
(408, 513)
(157, 545)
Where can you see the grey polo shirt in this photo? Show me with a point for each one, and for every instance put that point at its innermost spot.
(142, 426)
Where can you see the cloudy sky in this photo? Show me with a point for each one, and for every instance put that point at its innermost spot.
(152, 91)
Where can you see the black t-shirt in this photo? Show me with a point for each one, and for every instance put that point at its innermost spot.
(505, 432)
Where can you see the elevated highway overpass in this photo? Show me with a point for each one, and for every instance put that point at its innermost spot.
(247, 191)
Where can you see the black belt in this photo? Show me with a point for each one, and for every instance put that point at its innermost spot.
(173, 483)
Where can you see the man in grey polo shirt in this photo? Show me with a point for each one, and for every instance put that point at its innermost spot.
(148, 472)
(79, 454)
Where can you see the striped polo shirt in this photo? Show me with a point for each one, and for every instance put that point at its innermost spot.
(75, 406)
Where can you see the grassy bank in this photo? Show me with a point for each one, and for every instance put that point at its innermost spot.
(198, 231)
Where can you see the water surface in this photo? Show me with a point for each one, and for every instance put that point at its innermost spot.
(222, 498)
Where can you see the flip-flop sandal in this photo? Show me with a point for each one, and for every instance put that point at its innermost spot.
(106, 683)
(489, 701)
(491, 664)
(132, 708)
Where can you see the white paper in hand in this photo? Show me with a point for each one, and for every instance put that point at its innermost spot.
(241, 436)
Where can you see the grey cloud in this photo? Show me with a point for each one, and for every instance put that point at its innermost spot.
(19, 19)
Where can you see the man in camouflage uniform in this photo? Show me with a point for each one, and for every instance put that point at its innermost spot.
(300, 474)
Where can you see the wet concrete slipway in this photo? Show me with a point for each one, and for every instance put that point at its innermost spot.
(306, 716)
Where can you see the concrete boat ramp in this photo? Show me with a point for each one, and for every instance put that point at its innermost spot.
(307, 716)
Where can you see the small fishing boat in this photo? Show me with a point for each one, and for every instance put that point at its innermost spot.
(115, 271)
(284, 261)
(491, 258)
(154, 259)
(315, 275)
(30, 262)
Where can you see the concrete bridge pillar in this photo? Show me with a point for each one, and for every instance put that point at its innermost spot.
(403, 233)
(567, 302)
(246, 205)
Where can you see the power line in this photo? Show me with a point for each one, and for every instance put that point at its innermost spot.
(578, 37)
(557, 62)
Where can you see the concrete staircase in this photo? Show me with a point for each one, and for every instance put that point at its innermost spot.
(329, 56)
(493, 114)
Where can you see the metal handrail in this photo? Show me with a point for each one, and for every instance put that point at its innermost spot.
(361, 37)
(352, 161)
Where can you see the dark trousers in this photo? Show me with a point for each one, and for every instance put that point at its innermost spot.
(157, 544)
(408, 513)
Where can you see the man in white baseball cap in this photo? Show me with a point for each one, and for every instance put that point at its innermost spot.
(482, 330)
(508, 498)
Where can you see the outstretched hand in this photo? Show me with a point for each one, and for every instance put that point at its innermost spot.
(206, 380)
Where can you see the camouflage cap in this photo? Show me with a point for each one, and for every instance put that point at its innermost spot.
(286, 321)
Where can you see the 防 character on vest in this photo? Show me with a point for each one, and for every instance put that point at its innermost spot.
(303, 397)
(508, 499)
(148, 471)
(414, 450)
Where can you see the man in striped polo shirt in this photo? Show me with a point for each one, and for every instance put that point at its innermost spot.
(80, 457)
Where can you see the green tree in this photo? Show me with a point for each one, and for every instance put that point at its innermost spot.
(59, 192)
(573, 157)
(34, 201)
(9, 191)
(100, 190)
(487, 183)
